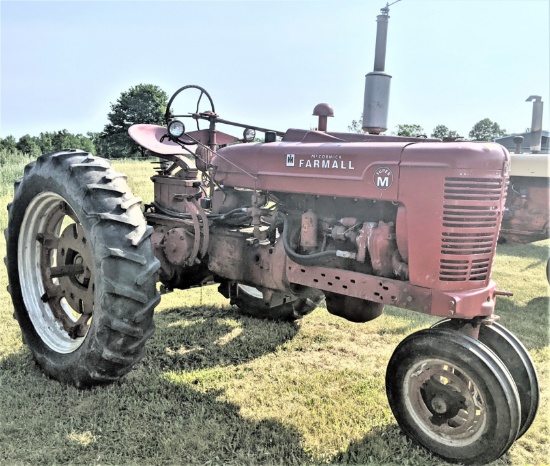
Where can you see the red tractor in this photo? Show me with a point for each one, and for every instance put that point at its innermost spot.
(362, 221)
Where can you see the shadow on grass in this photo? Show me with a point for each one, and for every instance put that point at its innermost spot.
(201, 337)
(388, 445)
(147, 418)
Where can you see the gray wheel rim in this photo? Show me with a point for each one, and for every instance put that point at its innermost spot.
(458, 430)
(51, 317)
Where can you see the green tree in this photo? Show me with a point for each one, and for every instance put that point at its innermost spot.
(100, 146)
(441, 131)
(85, 143)
(45, 142)
(144, 103)
(410, 130)
(486, 130)
(8, 143)
(63, 139)
(29, 145)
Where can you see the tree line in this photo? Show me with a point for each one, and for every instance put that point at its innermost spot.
(146, 103)
(483, 130)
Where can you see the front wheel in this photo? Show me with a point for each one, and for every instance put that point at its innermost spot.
(517, 360)
(82, 274)
(452, 395)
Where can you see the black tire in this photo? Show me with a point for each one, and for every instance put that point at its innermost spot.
(451, 394)
(250, 302)
(517, 360)
(81, 270)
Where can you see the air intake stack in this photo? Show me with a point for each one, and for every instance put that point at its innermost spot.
(377, 83)
(536, 123)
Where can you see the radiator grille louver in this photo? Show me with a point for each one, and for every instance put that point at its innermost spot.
(470, 221)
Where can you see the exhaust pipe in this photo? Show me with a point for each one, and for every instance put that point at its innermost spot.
(377, 83)
(536, 123)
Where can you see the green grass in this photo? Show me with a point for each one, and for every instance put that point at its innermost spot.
(219, 388)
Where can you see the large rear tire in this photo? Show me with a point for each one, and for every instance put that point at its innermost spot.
(81, 269)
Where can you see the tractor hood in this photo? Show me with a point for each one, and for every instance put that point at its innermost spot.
(349, 169)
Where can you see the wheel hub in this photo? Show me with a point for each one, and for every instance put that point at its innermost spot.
(445, 402)
(441, 400)
(65, 270)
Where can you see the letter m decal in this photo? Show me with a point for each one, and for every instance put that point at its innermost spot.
(383, 182)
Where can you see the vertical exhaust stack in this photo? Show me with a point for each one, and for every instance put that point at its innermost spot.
(377, 82)
(536, 123)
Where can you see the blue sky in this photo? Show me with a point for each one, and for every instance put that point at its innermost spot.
(269, 63)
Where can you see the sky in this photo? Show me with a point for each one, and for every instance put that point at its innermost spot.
(268, 63)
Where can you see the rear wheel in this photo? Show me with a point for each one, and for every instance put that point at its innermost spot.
(451, 394)
(250, 301)
(82, 274)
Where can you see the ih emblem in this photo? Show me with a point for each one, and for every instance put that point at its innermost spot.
(383, 178)
(289, 160)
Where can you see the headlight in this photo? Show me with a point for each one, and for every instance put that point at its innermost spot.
(249, 134)
(176, 128)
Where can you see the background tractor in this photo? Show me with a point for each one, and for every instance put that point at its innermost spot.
(528, 199)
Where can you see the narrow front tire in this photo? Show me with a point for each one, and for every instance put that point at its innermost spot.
(452, 395)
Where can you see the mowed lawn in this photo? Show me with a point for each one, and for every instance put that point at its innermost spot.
(219, 388)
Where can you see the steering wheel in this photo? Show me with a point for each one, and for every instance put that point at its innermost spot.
(169, 116)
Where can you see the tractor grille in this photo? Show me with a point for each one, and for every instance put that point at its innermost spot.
(470, 221)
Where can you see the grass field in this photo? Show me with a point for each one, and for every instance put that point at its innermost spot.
(219, 388)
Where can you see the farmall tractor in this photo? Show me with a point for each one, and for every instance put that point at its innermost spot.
(360, 220)
(363, 221)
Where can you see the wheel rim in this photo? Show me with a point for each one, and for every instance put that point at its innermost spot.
(444, 402)
(517, 360)
(56, 272)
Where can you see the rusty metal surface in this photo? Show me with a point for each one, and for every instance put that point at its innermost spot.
(231, 255)
(308, 234)
(359, 285)
(527, 207)
(464, 304)
(381, 246)
(176, 246)
(68, 285)
(171, 191)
